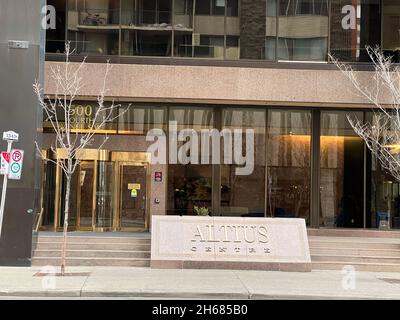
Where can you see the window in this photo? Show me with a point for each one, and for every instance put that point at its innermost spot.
(313, 49)
(232, 48)
(303, 30)
(289, 164)
(210, 47)
(190, 185)
(218, 7)
(288, 30)
(383, 191)
(244, 195)
(140, 119)
(93, 27)
(232, 9)
(203, 7)
(342, 171)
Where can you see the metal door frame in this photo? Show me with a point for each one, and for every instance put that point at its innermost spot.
(118, 196)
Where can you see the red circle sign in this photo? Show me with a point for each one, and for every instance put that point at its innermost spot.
(17, 156)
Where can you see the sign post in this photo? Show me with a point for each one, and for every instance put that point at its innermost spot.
(10, 137)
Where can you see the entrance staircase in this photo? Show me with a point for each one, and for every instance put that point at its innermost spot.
(365, 250)
(331, 249)
(94, 249)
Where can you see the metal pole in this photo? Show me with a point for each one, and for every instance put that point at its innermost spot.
(4, 190)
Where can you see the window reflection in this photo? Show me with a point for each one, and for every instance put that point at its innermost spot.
(294, 30)
(303, 30)
(140, 119)
(383, 191)
(93, 26)
(190, 185)
(342, 171)
(245, 195)
(289, 136)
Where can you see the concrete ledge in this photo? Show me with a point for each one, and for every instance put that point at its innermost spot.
(373, 233)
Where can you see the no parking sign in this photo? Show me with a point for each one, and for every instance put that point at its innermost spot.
(17, 157)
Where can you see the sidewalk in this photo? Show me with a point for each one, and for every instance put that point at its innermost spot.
(201, 284)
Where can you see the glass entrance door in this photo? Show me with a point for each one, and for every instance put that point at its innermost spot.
(108, 192)
(133, 199)
(85, 197)
(81, 207)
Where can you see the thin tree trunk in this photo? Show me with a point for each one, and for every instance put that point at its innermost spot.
(65, 229)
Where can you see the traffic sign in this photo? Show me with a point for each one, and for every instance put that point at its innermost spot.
(4, 163)
(10, 136)
(17, 157)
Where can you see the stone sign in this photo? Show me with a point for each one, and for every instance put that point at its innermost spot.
(229, 243)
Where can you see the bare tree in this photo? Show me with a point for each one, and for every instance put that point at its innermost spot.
(381, 133)
(59, 112)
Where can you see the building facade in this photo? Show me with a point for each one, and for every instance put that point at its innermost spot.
(223, 64)
(20, 21)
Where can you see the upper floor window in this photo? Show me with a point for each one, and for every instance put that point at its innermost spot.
(297, 30)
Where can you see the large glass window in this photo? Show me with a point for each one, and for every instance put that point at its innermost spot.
(93, 26)
(189, 185)
(271, 28)
(104, 194)
(138, 119)
(183, 28)
(48, 197)
(146, 28)
(303, 30)
(342, 171)
(244, 195)
(383, 191)
(288, 30)
(288, 162)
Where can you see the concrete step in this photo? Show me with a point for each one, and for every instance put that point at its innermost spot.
(364, 266)
(355, 252)
(130, 250)
(57, 239)
(94, 246)
(358, 259)
(355, 244)
(90, 261)
(374, 251)
(93, 254)
(374, 233)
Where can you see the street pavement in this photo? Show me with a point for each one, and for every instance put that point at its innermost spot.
(146, 283)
